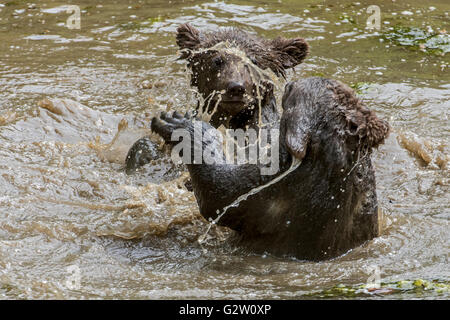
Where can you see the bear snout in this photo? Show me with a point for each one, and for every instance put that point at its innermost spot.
(235, 89)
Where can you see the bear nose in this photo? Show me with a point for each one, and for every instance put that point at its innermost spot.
(235, 88)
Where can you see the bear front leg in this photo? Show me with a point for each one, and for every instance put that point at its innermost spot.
(215, 183)
(165, 125)
(145, 150)
(197, 142)
(142, 152)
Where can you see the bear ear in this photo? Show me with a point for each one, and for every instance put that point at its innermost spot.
(361, 121)
(289, 52)
(377, 130)
(188, 39)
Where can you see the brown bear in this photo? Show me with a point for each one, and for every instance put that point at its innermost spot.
(322, 200)
(224, 78)
(233, 93)
(326, 205)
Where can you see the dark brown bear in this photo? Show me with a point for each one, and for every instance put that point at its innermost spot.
(224, 77)
(323, 208)
(232, 91)
(328, 204)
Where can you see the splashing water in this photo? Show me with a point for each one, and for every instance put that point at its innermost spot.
(164, 261)
(295, 164)
(257, 75)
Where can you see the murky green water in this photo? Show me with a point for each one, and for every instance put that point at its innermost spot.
(73, 225)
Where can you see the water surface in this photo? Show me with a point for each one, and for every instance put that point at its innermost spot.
(67, 208)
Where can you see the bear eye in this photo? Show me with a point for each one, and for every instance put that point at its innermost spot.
(217, 61)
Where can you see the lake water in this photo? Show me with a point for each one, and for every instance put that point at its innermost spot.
(74, 225)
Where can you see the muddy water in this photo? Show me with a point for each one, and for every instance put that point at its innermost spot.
(73, 225)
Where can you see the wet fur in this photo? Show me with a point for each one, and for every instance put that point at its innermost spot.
(279, 54)
(325, 207)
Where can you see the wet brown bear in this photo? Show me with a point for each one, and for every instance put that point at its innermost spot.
(223, 71)
(326, 205)
(231, 88)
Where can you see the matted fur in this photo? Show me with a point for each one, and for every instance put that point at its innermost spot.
(362, 121)
(278, 54)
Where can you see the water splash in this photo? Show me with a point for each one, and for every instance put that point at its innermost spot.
(258, 76)
(295, 164)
